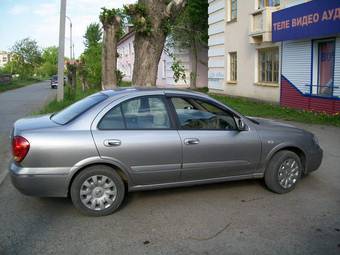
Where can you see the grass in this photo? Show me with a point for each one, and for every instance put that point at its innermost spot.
(55, 106)
(17, 83)
(245, 106)
(259, 109)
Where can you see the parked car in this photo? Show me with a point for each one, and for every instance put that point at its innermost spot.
(133, 139)
(54, 81)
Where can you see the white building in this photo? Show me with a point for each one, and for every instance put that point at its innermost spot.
(4, 58)
(165, 75)
(243, 61)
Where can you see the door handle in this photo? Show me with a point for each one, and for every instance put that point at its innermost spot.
(112, 142)
(191, 141)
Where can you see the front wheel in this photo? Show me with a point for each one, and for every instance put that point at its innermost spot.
(97, 191)
(283, 172)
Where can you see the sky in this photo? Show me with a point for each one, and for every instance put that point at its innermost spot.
(39, 20)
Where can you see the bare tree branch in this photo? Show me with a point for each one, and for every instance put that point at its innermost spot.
(174, 6)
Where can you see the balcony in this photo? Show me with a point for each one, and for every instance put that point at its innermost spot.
(260, 29)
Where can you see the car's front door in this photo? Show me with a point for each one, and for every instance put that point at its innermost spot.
(213, 147)
(139, 134)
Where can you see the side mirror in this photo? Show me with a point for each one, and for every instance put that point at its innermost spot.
(241, 125)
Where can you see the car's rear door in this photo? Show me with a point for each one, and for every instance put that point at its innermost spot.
(213, 147)
(139, 134)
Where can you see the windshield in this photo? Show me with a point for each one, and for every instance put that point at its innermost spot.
(76, 109)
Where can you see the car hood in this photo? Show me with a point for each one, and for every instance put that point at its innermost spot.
(32, 123)
(273, 124)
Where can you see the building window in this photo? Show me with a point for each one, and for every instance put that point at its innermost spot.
(4, 59)
(268, 65)
(323, 68)
(233, 10)
(164, 69)
(268, 3)
(233, 66)
(129, 70)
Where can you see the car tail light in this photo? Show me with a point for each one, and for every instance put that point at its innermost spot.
(20, 147)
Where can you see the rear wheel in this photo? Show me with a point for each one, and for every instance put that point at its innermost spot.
(97, 191)
(283, 172)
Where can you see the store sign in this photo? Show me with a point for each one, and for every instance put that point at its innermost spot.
(314, 19)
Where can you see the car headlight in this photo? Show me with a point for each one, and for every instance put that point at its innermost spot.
(315, 139)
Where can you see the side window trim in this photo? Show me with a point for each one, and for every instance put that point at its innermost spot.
(188, 98)
(173, 125)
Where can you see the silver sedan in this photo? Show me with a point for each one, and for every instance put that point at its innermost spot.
(132, 139)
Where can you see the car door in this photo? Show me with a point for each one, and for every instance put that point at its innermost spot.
(213, 147)
(139, 134)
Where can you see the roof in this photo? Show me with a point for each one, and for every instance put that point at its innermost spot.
(126, 36)
(131, 90)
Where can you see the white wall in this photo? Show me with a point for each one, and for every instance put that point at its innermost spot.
(216, 43)
(234, 37)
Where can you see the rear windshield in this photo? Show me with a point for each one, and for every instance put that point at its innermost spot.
(76, 109)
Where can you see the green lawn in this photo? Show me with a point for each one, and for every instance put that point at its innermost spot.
(244, 106)
(267, 110)
(15, 84)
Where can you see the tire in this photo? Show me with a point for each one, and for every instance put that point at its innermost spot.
(101, 186)
(277, 176)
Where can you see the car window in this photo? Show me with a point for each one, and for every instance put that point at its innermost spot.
(113, 119)
(140, 113)
(76, 109)
(198, 114)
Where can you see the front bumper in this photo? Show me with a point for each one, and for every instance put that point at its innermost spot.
(314, 160)
(40, 185)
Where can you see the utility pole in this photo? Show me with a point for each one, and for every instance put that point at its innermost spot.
(61, 51)
(69, 19)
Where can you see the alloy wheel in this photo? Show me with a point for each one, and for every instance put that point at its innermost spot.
(288, 173)
(98, 192)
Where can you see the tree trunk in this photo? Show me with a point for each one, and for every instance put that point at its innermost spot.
(148, 51)
(148, 48)
(194, 64)
(109, 56)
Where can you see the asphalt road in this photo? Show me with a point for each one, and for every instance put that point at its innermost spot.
(15, 104)
(229, 218)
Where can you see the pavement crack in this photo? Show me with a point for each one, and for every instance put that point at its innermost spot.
(212, 236)
(252, 199)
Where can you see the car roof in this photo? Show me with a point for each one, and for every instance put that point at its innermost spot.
(148, 90)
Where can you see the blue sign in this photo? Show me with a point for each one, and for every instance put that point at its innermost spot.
(314, 19)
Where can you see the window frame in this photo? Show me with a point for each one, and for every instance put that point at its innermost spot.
(315, 83)
(167, 108)
(259, 65)
(232, 71)
(231, 18)
(188, 97)
(266, 3)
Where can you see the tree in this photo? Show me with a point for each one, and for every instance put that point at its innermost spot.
(49, 58)
(190, 31)
(90, 68)
(111, 21)
(151, 20)
(93, 35)
(26, 57)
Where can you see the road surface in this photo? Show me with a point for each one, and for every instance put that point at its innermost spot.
(15, 104)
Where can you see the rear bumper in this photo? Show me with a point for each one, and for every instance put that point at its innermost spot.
(314, 160)
(40, 185)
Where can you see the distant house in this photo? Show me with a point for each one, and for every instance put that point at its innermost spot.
(165, 77)
(4, 58)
